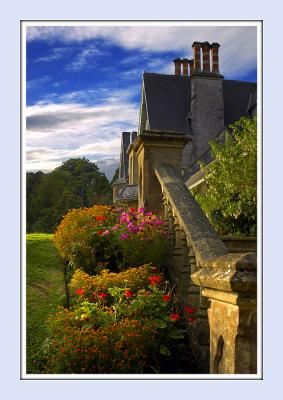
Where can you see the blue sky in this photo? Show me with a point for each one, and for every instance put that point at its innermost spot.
(83, 83)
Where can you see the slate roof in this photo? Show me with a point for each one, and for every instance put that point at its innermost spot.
(168, 101)
(237, 99)
(129, 192)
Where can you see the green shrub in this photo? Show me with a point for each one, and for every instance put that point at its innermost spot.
(231, 199)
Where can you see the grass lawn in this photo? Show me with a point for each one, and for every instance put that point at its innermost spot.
(45, 290)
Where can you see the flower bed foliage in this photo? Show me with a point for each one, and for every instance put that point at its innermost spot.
(123, 322)
(101, 236)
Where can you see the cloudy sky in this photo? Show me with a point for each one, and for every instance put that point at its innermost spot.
(83, 83)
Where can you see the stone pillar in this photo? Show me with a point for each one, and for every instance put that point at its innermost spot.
(229, 283)
(153, 148)
(197, 65)
(133, 165)
(178, 63)
(215, 61)
(205, 46)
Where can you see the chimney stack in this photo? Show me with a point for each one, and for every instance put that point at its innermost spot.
(196, 46)
(205, 46)
(185, 64)
(215, 61)
(177, 63)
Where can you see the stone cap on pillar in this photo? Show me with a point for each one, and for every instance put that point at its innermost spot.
(232, 272)
(162, 138)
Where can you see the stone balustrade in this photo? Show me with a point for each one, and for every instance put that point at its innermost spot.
(221, 284)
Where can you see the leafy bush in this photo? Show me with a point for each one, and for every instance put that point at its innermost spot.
(101, 236)
(231, 199)
(115, 329)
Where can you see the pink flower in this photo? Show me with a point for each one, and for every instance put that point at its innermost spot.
(141, 210)
(133, 228)
(115, 227)
(124, 236)
(125, 218)
(106, 232)
(158, 222)
(148, 214)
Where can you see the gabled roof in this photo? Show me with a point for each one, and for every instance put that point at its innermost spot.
(168, 101)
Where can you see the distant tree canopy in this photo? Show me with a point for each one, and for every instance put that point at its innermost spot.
(76, 183)
(231, 199)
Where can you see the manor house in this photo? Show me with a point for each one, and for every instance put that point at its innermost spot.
(196, 104)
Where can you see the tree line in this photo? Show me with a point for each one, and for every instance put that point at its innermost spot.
(76, 183)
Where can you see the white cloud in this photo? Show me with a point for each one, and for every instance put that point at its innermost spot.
(56, 132)
(36, 82)
(237, 52)
(83, 58)
(56, 54)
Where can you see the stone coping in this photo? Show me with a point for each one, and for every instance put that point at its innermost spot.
(192, 220)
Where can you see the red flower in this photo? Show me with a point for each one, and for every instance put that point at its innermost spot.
(190, 310)
(80, 291)
(132, 209)
(102, 295)
(192, 320)
(128, 293)
(174, 317)
(166, 297)
(99, 232)
(155, 280)
(100, 218)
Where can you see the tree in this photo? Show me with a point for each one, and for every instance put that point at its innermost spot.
(231, 199)
(76, 183)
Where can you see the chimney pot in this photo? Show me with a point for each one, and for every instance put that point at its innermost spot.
(196, 46)
(214, 55)
(178, 63)
(206, 56)
(185, 64)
